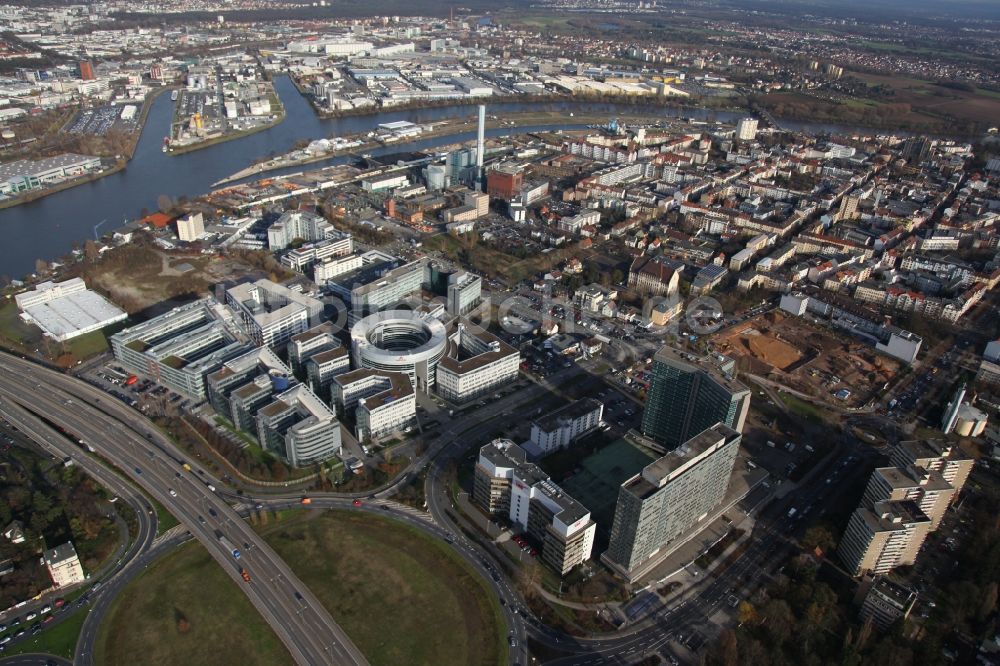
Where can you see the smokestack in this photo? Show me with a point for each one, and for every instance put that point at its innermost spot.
(480, 147)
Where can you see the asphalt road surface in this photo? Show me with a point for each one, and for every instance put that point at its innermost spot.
(128, 440)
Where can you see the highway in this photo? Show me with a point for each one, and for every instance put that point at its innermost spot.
(54, 442)
(74, 406)
(128, 440)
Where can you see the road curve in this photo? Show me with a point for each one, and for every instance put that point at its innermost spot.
(132, 443)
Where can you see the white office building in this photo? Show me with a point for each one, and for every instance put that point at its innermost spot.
(299, 427)
(481, 364)
(564, 426)
(273, 313)
(298, 224)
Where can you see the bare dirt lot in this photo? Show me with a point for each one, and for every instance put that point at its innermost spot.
(807, 358)
(147, 278)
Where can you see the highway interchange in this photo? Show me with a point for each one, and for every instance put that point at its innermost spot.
(152, 462)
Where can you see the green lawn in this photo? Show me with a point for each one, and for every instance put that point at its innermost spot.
(402, 597)
(88, 345)
(13, 327)
(59, 640)
(801, 408)
(185, 610)
(164, 519)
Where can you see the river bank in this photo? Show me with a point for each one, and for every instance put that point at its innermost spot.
(279, 117)
(448, 129)
(118, 165)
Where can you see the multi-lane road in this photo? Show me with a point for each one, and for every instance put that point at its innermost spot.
(123, 436)
(139, 450)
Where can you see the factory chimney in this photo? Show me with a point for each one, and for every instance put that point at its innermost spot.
(480, 147)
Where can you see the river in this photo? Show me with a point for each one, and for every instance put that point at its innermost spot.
(48, 227)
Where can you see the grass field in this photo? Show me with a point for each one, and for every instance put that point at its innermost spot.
(799, 407)
(59, 640)
(187, 586)
(15, 330)
(402, 597)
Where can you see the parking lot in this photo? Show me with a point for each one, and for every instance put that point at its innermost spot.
(101, 120)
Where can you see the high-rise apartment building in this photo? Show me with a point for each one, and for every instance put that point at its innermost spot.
(664, 503)
(746, 129)
(936, 455)
(883, 537)
(299, 225)
(190, 227)
(689, 394)
(901, 505)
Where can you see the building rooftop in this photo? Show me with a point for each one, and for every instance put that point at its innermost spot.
(62, 553)
(709, 364)
(687, 455)
(912, 477)
(573, 410)
(399, 387)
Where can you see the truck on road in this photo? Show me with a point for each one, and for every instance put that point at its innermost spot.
(228, 544)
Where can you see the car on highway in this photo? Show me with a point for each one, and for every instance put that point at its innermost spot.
(138, 471)
(306, 500)
(213, 513)
(30, 616)
(356, 502)
(173, 493)
(45, 609)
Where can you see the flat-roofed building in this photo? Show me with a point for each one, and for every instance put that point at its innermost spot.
(505, 485)
(936, 455)
(464, 292)
(299, 427)
(886, 603)
(259, 363)
(180, 347)
(299, 225)
(883, 537)
(689, 394)
(478, 364)
(558, 429)
(63, 565)
(326, 270)
(273, 313)
(669, 499)
(65, 310)
(336, 244)
(926, 488)
(303, 345)
(323, 366)
(190, 227)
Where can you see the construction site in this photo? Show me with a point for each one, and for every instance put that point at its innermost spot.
(808, 359)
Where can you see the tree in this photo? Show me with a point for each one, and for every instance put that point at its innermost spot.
(778, 620)
(90, 251)
(748, 613)
(818, 537)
